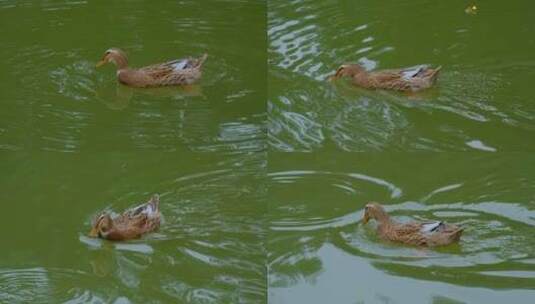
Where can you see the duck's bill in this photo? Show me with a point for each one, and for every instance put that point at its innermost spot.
(93, 233)
(100, 63)
(365, 219)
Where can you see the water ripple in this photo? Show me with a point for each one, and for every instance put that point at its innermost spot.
(328, 212)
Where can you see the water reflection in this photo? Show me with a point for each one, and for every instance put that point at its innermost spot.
(303, 120)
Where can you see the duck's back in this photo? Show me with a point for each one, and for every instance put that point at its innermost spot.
(408, 79)
(184, 71)
(421, 233)
(408, 233)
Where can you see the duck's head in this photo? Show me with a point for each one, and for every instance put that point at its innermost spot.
(102, 226)
(115, 56)
(374, 211)
(349, 69)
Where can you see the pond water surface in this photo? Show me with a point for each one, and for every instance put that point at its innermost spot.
(247, 216)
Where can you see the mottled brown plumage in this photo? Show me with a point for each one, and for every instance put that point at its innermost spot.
(409, 79)
(414, 233)
(176, 72)
(131, 224)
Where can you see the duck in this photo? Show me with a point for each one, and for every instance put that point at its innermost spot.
(131, 224)
(182, 72)
(425, 234)
(411, 79)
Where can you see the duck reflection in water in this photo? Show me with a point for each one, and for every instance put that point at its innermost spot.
(118, 97)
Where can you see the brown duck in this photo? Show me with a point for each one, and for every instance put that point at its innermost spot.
(176, 72)
(429, 234)
(131, 224)
(409, 79)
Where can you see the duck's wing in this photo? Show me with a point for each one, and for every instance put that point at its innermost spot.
(163, 70)
(430, 227)
(190, 63)
(181, 71)
(176, 66)
(182, 64)
(408, 233)
(138, 210)
(401, 230)
(385, 78)
(415, 71)
(149, 208)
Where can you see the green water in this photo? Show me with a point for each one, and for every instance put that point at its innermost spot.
(76, 142)
(247, 216)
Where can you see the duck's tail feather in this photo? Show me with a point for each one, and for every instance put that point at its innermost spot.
(201, 60)
(435, 72)
(456, 234)
(155, 202)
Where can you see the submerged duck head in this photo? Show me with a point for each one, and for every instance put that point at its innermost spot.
(374, 211)
(115, 56)
(102, 226)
